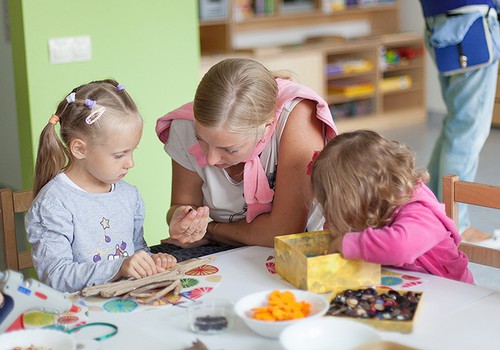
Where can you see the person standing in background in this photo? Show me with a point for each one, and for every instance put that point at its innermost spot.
(469, 98)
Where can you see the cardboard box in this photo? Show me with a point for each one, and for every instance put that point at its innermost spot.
(300, 259)
(378, 321)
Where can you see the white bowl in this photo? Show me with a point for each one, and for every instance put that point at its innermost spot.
(46, 338)
(327, 333)
(272, 329)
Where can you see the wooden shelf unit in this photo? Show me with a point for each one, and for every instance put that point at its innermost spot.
(217, 36)
(309, 61)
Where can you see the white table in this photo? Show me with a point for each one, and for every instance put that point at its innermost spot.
(453, 315)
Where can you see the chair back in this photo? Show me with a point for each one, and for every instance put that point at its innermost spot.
(12, 203)
(455, 192)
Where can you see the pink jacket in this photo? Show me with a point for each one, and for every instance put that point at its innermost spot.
(420, 238)
(258, 194)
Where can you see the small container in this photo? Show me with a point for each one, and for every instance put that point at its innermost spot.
(211, 316)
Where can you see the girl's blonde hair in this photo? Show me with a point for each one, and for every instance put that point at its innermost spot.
(120, 112)
(360, 179)
(237, 94)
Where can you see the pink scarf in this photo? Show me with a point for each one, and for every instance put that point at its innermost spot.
(258, 195)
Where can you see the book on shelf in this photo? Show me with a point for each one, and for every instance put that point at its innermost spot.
(349, 66)
(263, 7)
(351, 89)
(292, 6)
(242, 10)
(400, 82)
(332, 5)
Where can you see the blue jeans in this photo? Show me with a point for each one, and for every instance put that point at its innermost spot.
(469, 99)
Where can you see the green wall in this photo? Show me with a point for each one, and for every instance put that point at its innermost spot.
(149, 46)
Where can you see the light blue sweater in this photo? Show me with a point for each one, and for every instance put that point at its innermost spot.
(80, 239)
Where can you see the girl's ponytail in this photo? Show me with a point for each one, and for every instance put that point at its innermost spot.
(52, 155)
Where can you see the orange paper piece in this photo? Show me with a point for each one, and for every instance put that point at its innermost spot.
(282, 306)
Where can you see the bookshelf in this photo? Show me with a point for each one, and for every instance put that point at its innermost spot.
(375, 80)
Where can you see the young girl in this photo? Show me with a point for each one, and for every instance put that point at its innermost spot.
(86, 224)
(378, 209)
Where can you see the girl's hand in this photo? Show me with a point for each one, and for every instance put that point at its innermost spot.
(336, 245)
(189, 225)
(164, 261)
(139, 265)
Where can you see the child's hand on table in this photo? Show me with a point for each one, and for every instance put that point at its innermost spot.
(336, 244)
(164, 261)
(141, 264)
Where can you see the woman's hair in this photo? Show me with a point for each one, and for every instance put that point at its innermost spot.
(85, 113)
(237, 94)
(360, 179)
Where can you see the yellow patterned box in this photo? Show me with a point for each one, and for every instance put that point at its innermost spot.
(300, 259)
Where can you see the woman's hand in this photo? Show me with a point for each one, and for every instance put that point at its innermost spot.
(188, 225)
(139, 265)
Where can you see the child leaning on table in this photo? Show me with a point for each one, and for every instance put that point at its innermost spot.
(379, 210)
(85, 225)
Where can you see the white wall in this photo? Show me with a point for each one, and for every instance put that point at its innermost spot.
(412, 20)
(10, 165)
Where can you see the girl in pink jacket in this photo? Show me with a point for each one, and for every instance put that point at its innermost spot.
(379, 210)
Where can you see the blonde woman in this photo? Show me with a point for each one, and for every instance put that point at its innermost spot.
(378, 209)
(86, 224)
(239, 156)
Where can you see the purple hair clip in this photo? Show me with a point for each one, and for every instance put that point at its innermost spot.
(95, 115)
(71, 98)
(89, 103)
(120, 87)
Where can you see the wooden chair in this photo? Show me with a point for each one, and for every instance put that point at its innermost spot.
(12, 203)
(456, 191)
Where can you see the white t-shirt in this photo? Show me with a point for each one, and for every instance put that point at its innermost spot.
(221, 193)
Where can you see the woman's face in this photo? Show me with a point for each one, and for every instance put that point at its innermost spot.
(224, 149)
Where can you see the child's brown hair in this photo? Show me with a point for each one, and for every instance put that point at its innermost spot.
(360, 179)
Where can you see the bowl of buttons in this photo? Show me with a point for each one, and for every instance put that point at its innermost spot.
(268, 313)
(327, 333)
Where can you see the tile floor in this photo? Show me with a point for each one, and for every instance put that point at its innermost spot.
(421, 139)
